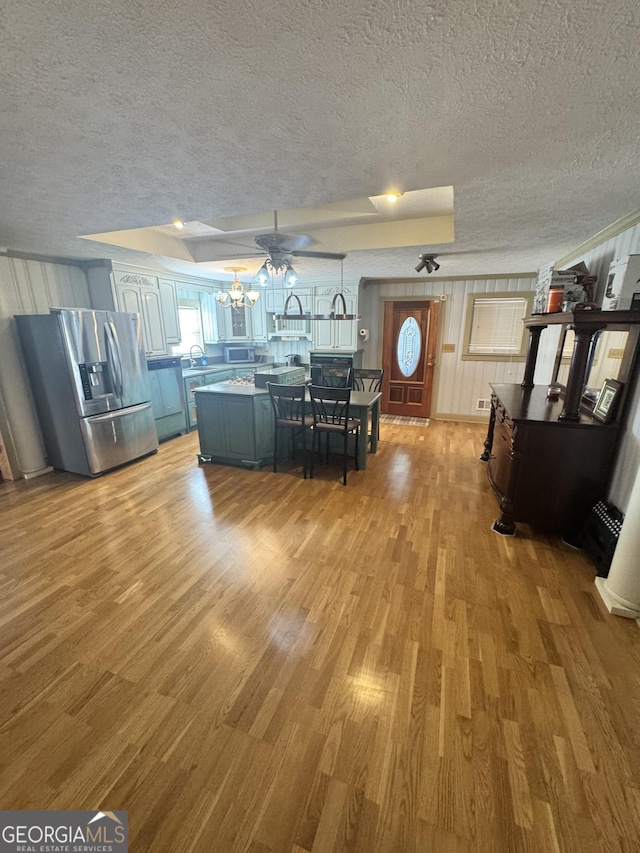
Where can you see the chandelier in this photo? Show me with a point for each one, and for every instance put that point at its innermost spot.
(236, 297)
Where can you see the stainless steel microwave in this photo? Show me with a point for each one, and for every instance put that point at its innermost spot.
(233, 354)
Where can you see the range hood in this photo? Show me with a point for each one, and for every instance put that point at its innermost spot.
(291, 335)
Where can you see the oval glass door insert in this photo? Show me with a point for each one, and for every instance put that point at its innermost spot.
(409, 346)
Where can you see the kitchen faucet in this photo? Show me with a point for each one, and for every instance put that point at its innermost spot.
(203, 357)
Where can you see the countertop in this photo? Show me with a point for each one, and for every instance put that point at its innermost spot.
(358, 398)
(234, 390)
(531, 404)
(336, 352)
(188, 372)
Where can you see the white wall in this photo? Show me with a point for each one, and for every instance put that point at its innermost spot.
(458, 384)
(28, 287)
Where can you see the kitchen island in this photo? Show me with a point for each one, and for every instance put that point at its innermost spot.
(235, 424)
(197, 377)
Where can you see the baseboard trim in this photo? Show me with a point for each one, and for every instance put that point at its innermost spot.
(467, 419)
(29, 475)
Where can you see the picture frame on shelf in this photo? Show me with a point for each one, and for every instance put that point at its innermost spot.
(607, 400)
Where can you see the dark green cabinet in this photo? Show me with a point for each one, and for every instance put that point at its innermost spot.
(197, 381)
(235, 425)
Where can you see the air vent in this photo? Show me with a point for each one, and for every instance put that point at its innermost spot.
(483, 405)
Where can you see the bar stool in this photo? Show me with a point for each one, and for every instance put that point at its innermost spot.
(288, 413)
(336, 377)
(331, 417)
(367, 379)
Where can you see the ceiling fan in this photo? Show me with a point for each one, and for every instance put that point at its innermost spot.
(279, 249)
(277, 245)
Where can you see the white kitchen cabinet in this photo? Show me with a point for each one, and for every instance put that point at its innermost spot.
(335, 334)
(115, 288)
(258, 319)
(242, 324)
(294, 327)
(141, 294)
(233, 324)
(209, 318)
(169, 307)
(275, 299)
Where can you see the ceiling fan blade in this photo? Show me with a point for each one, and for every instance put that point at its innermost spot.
(298, 253)
(282, 242)
(214, 258)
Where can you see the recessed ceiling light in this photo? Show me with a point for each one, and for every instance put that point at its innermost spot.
(393, 196)
(179, 224)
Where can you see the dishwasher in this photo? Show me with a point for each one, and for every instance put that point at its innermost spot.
(167, 396)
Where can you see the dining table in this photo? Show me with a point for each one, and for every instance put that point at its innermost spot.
(235, 424)
(360, 404)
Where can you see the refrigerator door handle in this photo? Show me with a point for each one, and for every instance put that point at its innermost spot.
(119, 413)
(114, 356)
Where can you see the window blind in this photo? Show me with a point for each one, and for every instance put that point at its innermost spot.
(496, 326)
(190, 329)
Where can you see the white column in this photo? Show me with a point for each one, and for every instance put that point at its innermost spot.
(620, 591)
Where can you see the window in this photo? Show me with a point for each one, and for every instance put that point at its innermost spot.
(409, 345)
(494, 328)
(190, 326)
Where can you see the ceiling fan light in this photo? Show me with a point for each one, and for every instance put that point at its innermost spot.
(263, 276)
(291, 277)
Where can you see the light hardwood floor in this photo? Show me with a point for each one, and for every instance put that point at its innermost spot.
(249, 661)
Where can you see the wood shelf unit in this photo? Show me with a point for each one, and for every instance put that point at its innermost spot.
(549, 459)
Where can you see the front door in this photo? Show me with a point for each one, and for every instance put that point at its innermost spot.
(408, 357)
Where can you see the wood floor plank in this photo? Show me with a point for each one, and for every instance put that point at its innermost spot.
(255, 663)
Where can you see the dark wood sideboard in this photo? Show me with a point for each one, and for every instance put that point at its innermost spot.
(549, 459)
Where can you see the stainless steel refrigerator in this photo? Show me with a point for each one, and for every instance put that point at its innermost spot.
(91, 387)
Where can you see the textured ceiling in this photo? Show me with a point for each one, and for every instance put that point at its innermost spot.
(119, 115)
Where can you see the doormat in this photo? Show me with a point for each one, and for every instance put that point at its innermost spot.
(396, 419)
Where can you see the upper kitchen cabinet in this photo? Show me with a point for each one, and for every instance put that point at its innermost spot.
(169, 305)
(275, 298)
(209, 318)
(141, 295)
(295, 327)
(119, 288)
(258, 321)
(335, 334)
(242, 324)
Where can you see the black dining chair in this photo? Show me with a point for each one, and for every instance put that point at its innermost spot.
(336, 377)
(331, 417)
(288, 402)
(367, 379)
